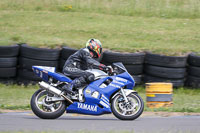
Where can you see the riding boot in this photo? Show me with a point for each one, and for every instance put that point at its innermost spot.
(69, 88)
(75, 84)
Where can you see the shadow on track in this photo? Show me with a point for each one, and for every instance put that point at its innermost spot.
(75, 118)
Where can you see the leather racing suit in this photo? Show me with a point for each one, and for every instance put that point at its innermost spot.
(76, 65)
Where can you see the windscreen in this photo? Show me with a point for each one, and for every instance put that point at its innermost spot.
(121, 68)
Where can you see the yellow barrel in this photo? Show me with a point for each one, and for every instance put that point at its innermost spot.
(159, 95)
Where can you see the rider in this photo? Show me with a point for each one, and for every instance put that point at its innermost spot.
(82, 60)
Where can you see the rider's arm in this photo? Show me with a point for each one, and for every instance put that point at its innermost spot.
(92, 63)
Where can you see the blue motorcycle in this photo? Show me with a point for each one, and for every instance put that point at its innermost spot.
(109, 93)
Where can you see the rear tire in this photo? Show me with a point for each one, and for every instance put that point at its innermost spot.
(117, 110)
(44, 113)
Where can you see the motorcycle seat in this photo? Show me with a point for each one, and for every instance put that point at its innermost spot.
(61, 77)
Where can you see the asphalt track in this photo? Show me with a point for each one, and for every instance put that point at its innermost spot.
(26, 121)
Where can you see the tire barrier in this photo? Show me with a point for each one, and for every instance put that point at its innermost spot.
(194, 71)
(9, 51)
(8, 81)
(27, 63)
(144, 67)
(166, 61)
(194, 59)
(61, 64)
(30, 56)
(8, 72)
(193, 78)
(162, 68)
(138, 79)
(165, 72)
(8, 63)
(193, 81)
(39, 53)
(66, 52)
(135, 69)
(176, 82)
(159, 95)
(125, 58)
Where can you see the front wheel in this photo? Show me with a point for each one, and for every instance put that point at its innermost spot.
(127, 111)
(44, 109)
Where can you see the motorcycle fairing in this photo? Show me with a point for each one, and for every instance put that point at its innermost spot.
(44, 72)
(100, 103)
(87, 108)
(118, 82)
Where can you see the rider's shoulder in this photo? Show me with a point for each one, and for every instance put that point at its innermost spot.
(85, 50)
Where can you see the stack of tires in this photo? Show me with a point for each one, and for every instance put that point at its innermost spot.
(162, 68)
(193, 78)
(132, 61)
(30, 56)
(65, 53)
(8, 63)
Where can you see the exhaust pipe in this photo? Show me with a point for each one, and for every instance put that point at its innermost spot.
(53, 90)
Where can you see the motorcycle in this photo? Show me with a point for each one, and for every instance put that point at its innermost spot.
(109, 93)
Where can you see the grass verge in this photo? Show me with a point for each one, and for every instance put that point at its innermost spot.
(18, 97)
(147, 8)
(184, 100)
(116, 32)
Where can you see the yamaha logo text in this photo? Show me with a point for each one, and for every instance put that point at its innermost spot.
(87, 107)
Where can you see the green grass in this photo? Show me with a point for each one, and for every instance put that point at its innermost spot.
(147, 8)
(184, 100)
(170, 27)
(116, 32)
(18, 97)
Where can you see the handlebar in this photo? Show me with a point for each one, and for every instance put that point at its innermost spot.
(113, 71)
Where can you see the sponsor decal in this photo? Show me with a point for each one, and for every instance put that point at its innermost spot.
(121, 79)
(115, 81)
(41, 74)
(45, 71)
(104, 99)
(88, 91)
(104, 104)
(87, 107)
(37, 72)
(113, 85)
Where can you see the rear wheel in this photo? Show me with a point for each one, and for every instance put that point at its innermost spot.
(127, 111)
(44, 109)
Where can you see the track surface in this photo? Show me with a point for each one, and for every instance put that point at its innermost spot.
(26, 121)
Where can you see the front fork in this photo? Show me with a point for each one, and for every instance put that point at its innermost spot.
(124, 95)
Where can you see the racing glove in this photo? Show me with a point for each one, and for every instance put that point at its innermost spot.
(105, 68)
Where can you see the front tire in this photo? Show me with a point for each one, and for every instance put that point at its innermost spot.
(44, 109)
(130, 111)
